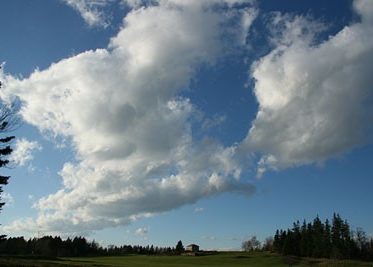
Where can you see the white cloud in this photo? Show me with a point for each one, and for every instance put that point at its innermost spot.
(248, 17)
(195, 3)
(7, 198)
(142, 231)
(209, 238)
(213, 122)
(131, 132)
(22, 153)
(199, 209)
(315, 100)
(91, 11)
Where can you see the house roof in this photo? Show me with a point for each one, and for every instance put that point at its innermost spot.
(191, 245)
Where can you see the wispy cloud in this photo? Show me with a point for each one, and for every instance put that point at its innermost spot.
(209, 238)
(142, 231)
(91, 11)
(199, 209)
(213, 122)
(7, 198)
(23, 151)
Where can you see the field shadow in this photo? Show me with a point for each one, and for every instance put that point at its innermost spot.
(292, 260)
(242, 257)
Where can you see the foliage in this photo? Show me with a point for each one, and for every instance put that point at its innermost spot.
(322, 240)
(49, 246)
(252, 244)
(7, 121)
(5, 148)
(179, 247)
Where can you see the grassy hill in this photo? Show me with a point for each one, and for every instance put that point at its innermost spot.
(231, 259)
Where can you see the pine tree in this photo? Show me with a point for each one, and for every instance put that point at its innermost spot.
(318, 235)
(336, 234)
(327, 240)
(276, 241)
(296, 238)
(7, 122)
(5, 151)
(303, 240)
(179, 247)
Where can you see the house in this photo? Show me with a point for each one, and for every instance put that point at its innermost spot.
(192, 248)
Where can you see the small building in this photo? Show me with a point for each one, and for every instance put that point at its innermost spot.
(192, 248)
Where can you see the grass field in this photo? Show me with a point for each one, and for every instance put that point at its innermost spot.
(222, 259)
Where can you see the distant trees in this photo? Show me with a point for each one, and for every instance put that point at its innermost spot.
(268, 244)
(324, 240)
(252, 244)
(49, 246)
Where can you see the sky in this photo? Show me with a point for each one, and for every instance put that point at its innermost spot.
(148, 122)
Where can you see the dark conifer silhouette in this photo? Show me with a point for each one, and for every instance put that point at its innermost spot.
(322, 240)
(179, 247)
(8, 121)
(49, 246)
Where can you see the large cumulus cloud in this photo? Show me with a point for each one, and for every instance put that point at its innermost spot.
(131, 131)
(315, 99)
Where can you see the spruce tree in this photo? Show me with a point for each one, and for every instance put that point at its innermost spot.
(337, 241)
(318, 236)
(304, 240)
(7, 123)
(179, 247)
(327, 239)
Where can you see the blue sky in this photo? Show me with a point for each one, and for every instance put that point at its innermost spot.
(201, 121)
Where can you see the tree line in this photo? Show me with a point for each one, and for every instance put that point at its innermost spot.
(327, 239)
(49, 246)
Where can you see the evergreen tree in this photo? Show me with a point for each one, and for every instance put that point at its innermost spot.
(327, 240)
(7, 122)
(276, 241)
(336, 237)
(303, 240)
(309, 237)
(317, 239)
(317, 236)
(5, 148)
(179, 247)
(296, 238)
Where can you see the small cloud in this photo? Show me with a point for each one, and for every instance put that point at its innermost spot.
(22, 152)
(30, 197)
(199, 209)
(142, 231)
(7, 198)
(213, 122)
(210, 238)
(91, 11)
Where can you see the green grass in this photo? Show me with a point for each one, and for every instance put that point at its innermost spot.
(222, 259)
(231, 259)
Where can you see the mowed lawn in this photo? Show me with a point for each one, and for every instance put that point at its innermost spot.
(222, 259)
